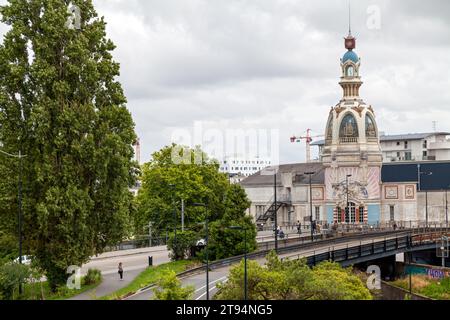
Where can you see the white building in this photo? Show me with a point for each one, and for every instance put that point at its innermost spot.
(353, 183)
(410, 147)
(244, 166)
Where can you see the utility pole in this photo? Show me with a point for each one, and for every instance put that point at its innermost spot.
(150, 233)
(20, 216)
(20, 156)
(347, 208)
(310, 174)
(182, 215)
(275, 208)
(446, 207)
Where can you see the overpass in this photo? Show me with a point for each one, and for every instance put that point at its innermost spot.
(346, 250)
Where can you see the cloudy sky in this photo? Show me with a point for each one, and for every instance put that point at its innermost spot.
(274, 64)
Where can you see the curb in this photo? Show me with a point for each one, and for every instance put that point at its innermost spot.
(126, 255)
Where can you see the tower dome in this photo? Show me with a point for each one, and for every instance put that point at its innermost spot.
(350, 55)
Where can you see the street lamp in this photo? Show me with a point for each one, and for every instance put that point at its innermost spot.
(310, 174)
(429, 173)
(206, 245)
(245, 260)
(347, 208)
(172, 187)
(275, 208)
(20, 156)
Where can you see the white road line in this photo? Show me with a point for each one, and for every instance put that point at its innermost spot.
(212, 282)
(212, 289)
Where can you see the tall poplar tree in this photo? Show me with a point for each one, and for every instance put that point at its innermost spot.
(62, 106)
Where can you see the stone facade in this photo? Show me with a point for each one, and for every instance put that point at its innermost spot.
(347, 185)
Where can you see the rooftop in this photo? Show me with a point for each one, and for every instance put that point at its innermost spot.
(398, 137)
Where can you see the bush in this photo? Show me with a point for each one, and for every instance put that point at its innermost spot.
(93, 276)
(169, 288)
(181, 249)
(11, 274)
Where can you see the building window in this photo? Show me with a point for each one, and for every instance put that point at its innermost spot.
(392, 213)
(317, 211)
(406, 144)
(352, 213)
(408, 156)
(349, 128)
(425, 144)
(371, 130)
(361, 214)
(398, 143)
(339, 215)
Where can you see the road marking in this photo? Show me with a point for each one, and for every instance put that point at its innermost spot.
(212, 282)
(210, 290)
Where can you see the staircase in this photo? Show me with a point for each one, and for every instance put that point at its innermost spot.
(282, 201)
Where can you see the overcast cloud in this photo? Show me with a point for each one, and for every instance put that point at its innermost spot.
(275, 64)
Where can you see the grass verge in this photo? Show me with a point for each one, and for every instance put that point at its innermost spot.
(150, 276)
(41, 291)
(423, 285)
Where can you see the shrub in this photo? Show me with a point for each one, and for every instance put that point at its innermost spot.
(11, 274)
(181, 249)
(93, 276)
(169, 288)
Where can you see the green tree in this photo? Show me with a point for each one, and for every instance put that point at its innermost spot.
(293, 280)
(181, 248)
(11, 275)
(61, 105)
(169, 288)
(165, 181)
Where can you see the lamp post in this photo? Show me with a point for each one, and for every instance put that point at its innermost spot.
(206, 245)
(19, 156)
(245, 260)
(420, 173)
(446, 207)
(275, 208)
(347, 207)
(310, 174)
(172, 187)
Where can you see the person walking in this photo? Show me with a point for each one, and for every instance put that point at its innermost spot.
(120, 271)
(299, 227)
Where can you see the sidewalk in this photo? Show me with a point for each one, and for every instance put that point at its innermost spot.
(122, 253)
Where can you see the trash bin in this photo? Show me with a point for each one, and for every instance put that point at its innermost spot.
(150, 261)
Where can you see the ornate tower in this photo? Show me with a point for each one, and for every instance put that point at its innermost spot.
(352, 153)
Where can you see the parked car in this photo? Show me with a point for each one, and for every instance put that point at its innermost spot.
(25, 260)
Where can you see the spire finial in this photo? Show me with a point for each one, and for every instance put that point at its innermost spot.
(349, 18)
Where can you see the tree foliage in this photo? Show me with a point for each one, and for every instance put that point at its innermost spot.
(60, 104)
(180, 248)
(169, 288)
(11, 275)
(198, 180)
(293, 280)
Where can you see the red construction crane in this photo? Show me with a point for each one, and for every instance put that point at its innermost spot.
(309, 140)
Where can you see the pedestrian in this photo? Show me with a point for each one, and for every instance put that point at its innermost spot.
(299, 227)
(120, 271)
(395, 226)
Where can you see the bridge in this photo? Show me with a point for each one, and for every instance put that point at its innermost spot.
(346, 250)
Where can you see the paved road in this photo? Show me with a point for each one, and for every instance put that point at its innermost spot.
(133, 265)
(199, 280)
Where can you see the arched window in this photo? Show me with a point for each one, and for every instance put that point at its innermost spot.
(350, 71)
(349, 128)
(371, 130)
(329, 133)
(361, 214)
(351, 216)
